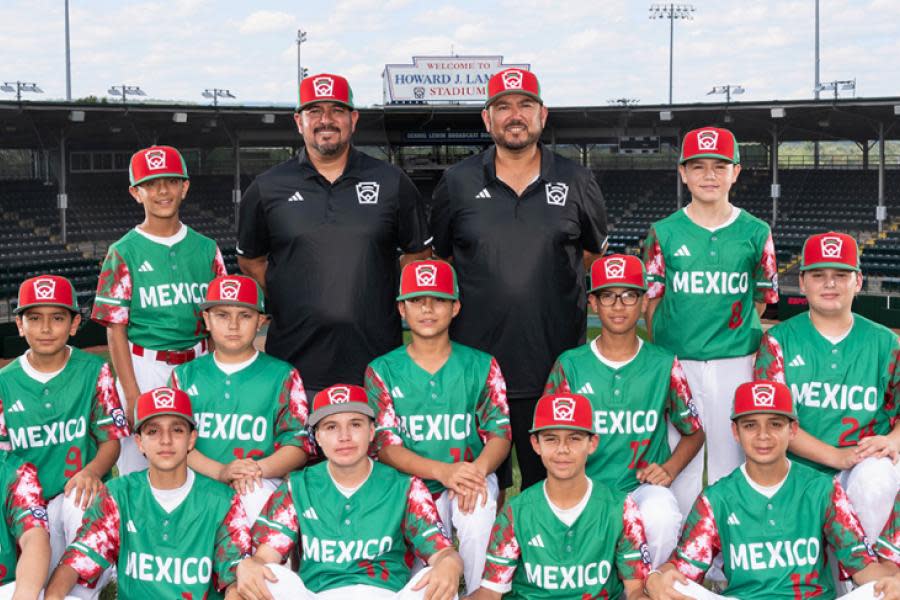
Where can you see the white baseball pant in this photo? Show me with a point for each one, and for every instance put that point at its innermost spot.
(872, 487)
(256, 500)
(290, 587)
(7, 591)
(712, 383)
(662, 520)
(64, 520)
(472, 530)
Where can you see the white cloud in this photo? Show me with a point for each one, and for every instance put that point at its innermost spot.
(267, 21)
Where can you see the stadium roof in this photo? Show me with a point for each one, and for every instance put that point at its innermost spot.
(112, 126)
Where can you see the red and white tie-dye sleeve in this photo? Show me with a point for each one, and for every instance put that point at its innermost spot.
(557, 383)
(422, 527)
(766, 274)
(388, 426)
(888, 545)
(769, 364)
(25, 505)
(699, 543)
(632, 552)
(277, 526)
(503, 554)
(893, 387)
(655, 264)
(844, 533)
(114, 289)
(493, 409)
(293, 413)
(218, 265)
(682, 410)
(232, 544)
(96, 546)
(107, 415)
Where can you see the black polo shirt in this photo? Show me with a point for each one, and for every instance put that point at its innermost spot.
(519, 261)
(332, 251)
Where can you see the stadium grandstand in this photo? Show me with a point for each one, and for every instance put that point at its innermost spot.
(63, 174)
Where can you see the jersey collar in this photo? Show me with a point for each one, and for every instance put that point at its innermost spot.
(309, 171)
(548, 164)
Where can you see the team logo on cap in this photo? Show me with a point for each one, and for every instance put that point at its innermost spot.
(230, 288)
(615, 268)
(45, 289)
(764, 395)
(512, 80)
(832, 246)
(323, 86)
(426, 275)
(163, 399)
(156, 159)
(339, 394)
(708, 139)
(564, 409)
(557, 193)
(367, 192)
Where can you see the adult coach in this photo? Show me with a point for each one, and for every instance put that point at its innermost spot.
(320, 233)
(520, 223)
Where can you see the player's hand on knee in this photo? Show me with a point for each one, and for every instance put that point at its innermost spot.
(468, 501)
(251, 580)
(83, 488)
(888, 588)
(239, 468)
(845, 458)
(441, 582)
(462, 476)
(661, 586)
(877, 446)
(654, 474)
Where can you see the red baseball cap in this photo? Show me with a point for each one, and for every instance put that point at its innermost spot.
(618, 270)
(563, 411)
(155, 162)
(513, 81)
(434, 278)
(234, 290)
(47, 290)
(162, 401)
(710, 142)
(340, 398)
(830, 250)
(763, 397)
(325, 87)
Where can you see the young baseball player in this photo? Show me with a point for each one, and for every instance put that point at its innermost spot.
(569, 536)
(24, 541)
(358, 521)
(440, 411)
(771, 519)
(712, 270)
(250, 408)
(844, 373)
(170, 532)
(59, 409)
(634, 388)
(151, 285)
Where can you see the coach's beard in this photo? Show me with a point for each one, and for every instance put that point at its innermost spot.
(530, 139)
(329, 148)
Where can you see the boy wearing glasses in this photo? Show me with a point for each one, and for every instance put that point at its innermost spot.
(634, 388)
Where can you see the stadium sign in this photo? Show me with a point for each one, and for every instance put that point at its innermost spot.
(439, 79)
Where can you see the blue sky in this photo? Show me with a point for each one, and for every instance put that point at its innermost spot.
(585, 52)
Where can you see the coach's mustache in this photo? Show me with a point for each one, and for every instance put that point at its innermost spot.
(330, 128)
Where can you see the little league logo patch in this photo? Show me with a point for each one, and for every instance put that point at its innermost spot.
(45, 289)
(323, 86)
(38, 513)
(426, 275)
(615, 268)
(708, 140)
(156, 159)
(557, 194)
(118, 417)
(764, 395)
(512, 80)
(230, 289)
(164, 399)
(367, 192)
(832, 247)
(564, 409)
(645, 554)
(339, 395)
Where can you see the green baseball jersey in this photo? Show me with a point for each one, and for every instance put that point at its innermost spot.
(708, 282)
(888, 545)
(190, 553)
(774, 547)
(57, 425)
(630, 405)
(842, 392)
(157, 289)
(446, 416)
(247, 414)
(361, 540)
(23, 508)
(533, 555)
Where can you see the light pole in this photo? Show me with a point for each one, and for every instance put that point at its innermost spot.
(841, 85)
(125, 91)
(672, 11)
(301, 37)
(728, 90)
(20, 86)
(216, 93)
(68, 59)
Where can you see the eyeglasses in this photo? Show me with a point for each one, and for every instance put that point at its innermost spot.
(629, 298)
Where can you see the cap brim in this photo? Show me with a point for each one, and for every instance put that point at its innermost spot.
(137, 424)
(569, 427)
(493, 98)
(333, 101)
(763, 411)
(719, 156)
(210, 304)
(829, 265)
(333, 409)
(622, 285)
(402, 297)
(160, 176)
(21, 309)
